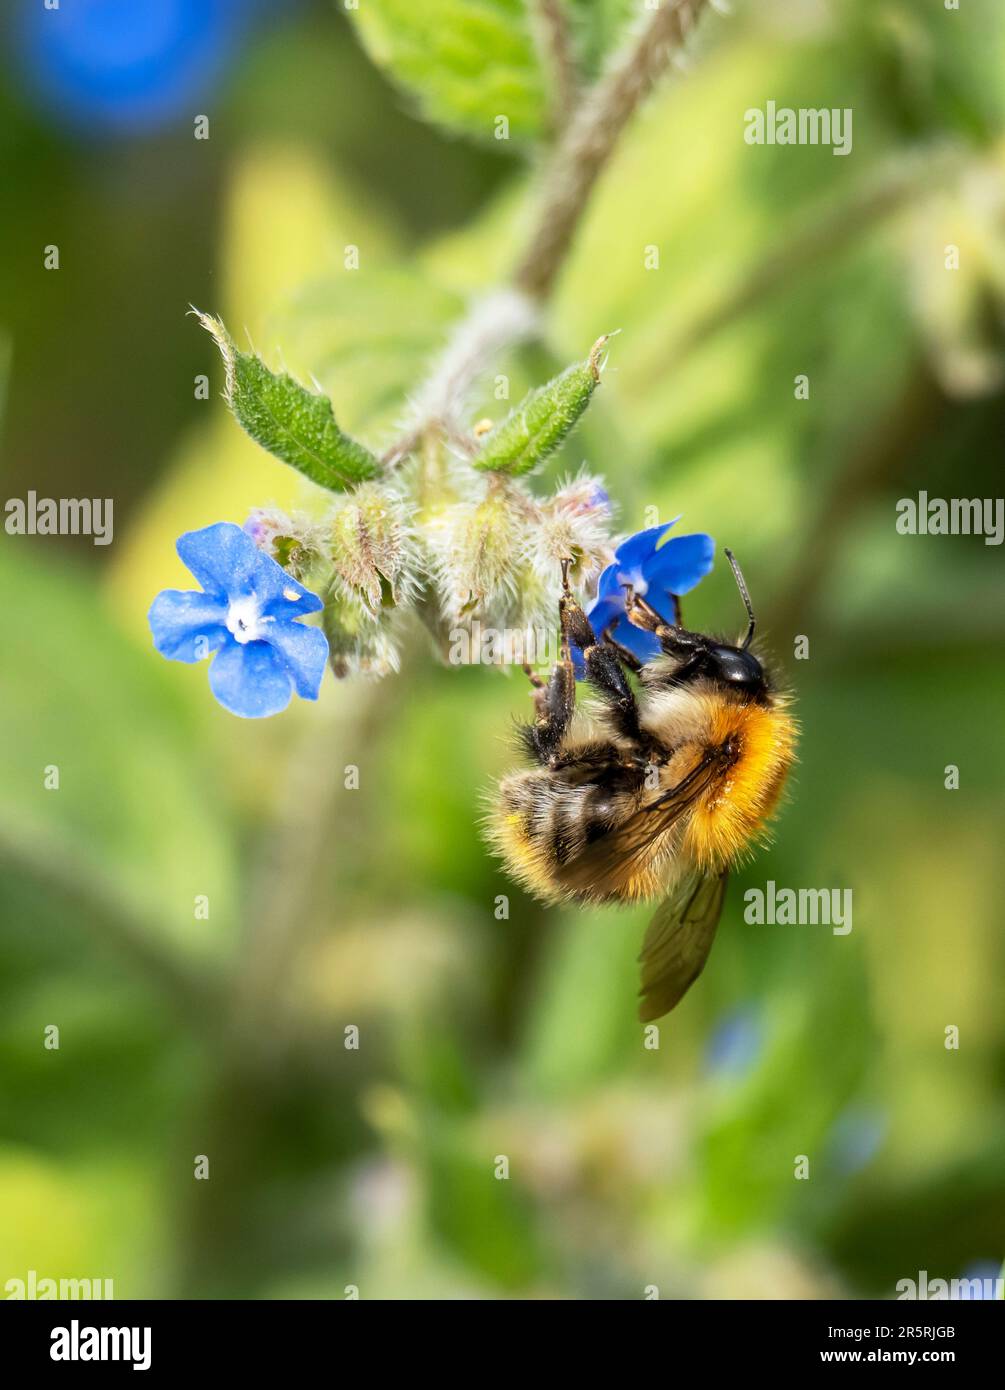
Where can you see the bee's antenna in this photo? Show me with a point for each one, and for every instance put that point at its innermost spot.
(741, 585)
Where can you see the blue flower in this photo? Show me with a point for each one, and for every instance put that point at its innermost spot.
(856, 1136)
(737, 1042)
(131, 66)
(655, 574)
(247, 614)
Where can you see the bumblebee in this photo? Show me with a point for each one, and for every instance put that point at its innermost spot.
(654, 793)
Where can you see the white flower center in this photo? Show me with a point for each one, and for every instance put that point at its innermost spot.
(244, 619)
(636, 579)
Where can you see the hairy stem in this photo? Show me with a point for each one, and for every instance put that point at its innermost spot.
(495, 323)
(591, 138)
(556, 46)
(509, 316)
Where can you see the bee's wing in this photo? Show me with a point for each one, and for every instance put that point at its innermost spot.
(625, 849)
(677, 942)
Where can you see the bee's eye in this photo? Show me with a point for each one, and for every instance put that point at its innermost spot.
(737, 667)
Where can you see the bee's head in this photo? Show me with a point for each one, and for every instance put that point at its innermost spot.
(735, 667)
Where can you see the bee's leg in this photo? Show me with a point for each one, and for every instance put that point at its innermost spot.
(674, 639)
(554, 705)
(601, 659)
(644, 615)
(554, 700)
(606, 674)
(626, 657)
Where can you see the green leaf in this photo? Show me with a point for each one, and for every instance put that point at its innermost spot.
(467, 61)
(295, 424)
(543, 419)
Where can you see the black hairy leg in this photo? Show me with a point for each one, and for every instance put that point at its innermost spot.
(687, 647)
(603, 662)
(554, 705)
(555, 700)
(626, 657)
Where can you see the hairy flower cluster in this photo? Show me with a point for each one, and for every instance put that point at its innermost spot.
(454, 535)
(374, 558)
(361, 557)
(497, 556)
(493, 556)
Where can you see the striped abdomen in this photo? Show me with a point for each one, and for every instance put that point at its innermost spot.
(544, 819)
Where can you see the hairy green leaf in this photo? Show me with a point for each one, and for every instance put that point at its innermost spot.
(467, 61)
(541, 422)
(295, 424)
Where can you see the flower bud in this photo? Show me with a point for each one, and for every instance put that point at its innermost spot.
(541, 422)
(372, 549)
(359, 644)
(574, 524)
(292, 542)
(479, 550)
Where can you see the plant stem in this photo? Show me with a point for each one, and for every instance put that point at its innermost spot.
(556, 46)
(494, 323)
(591, 138)
(510, 316)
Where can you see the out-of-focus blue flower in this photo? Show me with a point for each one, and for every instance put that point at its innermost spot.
(856, 1137)
(983, 1279)
(736, 1044)
(247, 614)
(130, 65)
(655, 572)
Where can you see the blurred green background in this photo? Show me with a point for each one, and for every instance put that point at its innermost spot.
(376, 907)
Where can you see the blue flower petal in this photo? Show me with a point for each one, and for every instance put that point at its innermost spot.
(602, 612)
(118, 66)
(607, 584)
(250, 680)
(222, 557)
(633, 553)
(643, 644)
(226, 561)
(187, 626)
(680, 564)
(283, 598)
(304, 651)
(605, 611)
(245, 591)
(655, 573)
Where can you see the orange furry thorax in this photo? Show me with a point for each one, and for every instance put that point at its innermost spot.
(734, 813)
